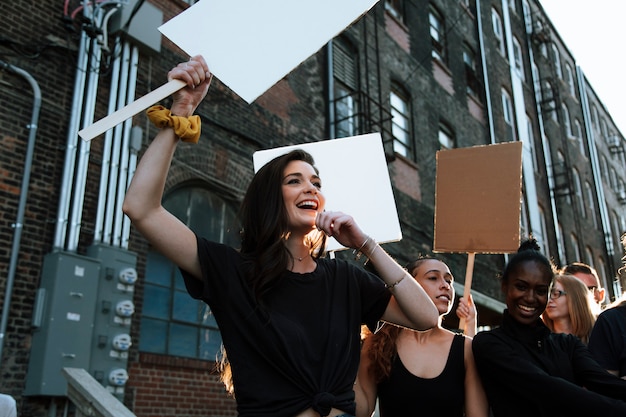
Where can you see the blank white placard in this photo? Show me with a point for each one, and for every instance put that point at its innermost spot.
(250, 45)
(355, 180)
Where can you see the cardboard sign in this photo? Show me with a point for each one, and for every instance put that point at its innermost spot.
(355, 181)
(252, 44)
(478, 199)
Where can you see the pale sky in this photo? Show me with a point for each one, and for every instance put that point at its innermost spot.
(595, 33)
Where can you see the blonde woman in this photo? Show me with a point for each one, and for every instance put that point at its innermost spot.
(570, 308)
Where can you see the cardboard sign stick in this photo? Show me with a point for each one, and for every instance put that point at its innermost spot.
(469, 273)
(130, 110)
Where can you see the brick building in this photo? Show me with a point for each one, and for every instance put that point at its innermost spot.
(428, 75)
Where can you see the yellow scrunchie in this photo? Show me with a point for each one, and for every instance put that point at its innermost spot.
(186, 128)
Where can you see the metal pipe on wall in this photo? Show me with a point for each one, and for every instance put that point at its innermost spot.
(21, 208)
(131, 70)
(116, 149)
(106, 152)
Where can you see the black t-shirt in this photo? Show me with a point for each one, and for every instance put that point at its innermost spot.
(607, 342)
(529, 371)
(303, 349)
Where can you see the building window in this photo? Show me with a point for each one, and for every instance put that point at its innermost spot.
(509, 118)
(567, 124)
(395, 8)
(437, 34)
(446, 137)
(578, 133)
(569, 78)
(531, 141)
(345, 73)
(517, 55)
(401, 121)
(544, 232)
(173, 323)
(496, 23)
(575, 248)
(578, 193)
(594, 115)
(557, 61)
(591, 202)
(471, 77)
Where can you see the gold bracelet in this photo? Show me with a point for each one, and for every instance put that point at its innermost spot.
(391, 286)
(357, 252)
(186, 128)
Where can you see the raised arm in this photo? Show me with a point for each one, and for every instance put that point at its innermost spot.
(142, 203)
(409, 306)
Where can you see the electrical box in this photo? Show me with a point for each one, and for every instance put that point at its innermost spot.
(63, 320)
(111, 340)
(143, 28)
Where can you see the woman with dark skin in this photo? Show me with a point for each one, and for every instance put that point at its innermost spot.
(289, 318)
(529, 371)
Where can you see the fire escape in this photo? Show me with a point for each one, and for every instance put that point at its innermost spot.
(361, 108)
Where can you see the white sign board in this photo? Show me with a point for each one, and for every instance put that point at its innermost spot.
(250, 45)
(355, 181)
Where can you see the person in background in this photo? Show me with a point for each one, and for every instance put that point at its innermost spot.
(607, 342)
(425, 373)
(589, 276)
(529, 371)
(570, 308)
(290, 319)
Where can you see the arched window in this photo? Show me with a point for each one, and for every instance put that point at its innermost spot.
(509, 116)
(519, 61)
(567, 124)
(569, 78)
(498, 32)
(575, 249)
(172, 323)
(557, 61)
(578, 193)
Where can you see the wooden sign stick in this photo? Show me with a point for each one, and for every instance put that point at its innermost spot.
(469, 272)
(128, 111)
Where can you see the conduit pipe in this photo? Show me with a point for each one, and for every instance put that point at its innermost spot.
(28, 163)
(124, 173)
(116, 150)
(99, 231)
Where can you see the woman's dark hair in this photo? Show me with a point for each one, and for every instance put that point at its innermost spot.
(265, 224)
(528, 252)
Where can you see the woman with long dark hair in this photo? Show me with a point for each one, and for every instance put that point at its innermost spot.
(289, 318)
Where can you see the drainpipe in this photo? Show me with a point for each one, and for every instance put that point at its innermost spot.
(595, 169)
(28, 162)
(483, 63)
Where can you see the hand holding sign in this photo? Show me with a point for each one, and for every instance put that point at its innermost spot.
(249, 44)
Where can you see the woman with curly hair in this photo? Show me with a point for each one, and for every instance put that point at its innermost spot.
(425, 373)
(570, 308)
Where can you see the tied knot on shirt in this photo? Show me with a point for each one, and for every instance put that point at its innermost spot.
(323, 402)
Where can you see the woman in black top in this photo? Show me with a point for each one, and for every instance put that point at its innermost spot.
(289, 319)
(527, 370)
(427, 374)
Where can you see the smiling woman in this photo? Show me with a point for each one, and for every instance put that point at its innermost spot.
(280, 305)
(528, 370)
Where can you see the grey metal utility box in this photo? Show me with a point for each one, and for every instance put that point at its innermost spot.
(63, 320)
